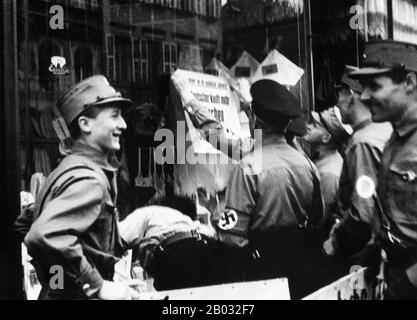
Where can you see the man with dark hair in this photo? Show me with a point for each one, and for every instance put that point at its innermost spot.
(75, 222)
(389, 78)
(173, 248)
(273, 196)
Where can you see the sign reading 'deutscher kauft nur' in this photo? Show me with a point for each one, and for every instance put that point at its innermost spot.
(213, 93)
(212, 169)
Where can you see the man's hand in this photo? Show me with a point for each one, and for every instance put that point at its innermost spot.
(180, 84)
(328, 246)
(115, 291)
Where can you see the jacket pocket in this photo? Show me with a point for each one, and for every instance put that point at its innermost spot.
(402, 189)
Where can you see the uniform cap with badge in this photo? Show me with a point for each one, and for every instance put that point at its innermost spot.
(384, 56)
(272, 102)
(331, 120)
(93, 91)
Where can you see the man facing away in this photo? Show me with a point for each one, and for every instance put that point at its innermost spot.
(273, 196)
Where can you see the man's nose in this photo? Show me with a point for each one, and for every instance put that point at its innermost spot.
(365, 95)
(122, 123)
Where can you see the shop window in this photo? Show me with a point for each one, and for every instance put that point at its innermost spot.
(46, 51)
(83, 63)
(170, 57)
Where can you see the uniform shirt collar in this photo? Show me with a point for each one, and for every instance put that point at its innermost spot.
(362, 125)
(407, 125)
(107, 162)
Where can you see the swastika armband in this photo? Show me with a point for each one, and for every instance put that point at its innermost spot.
(228, 220)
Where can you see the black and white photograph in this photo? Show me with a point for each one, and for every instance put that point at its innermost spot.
(224, 152)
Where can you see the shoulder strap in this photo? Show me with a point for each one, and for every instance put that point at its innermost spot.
(44, 194)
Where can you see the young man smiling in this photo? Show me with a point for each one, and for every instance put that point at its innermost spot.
(390, 89)
(75, 223)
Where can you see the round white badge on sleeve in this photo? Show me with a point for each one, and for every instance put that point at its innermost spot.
(365, 187)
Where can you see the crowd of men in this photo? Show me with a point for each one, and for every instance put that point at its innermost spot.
(308, 218)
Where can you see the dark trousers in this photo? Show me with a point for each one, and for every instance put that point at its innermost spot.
(186, 264)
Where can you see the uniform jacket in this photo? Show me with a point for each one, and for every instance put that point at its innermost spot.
(75, 222)
(397, 187)
(329, 164)
(362, 157)
(274, 188)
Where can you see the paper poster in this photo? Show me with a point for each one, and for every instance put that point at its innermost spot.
(277, 289)
(280, 69)
(355, 286)
(214, 94)
(245, 67)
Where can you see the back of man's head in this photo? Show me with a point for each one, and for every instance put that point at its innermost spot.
(182, 204)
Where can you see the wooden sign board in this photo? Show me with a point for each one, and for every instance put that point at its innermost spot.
(262, 290)
(352, 287)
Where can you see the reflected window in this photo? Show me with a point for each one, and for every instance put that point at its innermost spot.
(170, 56)
(111, 57)
(141, 61)
(83, 62)
(123, 58)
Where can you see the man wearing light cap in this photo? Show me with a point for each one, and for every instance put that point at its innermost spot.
(75, 222)
(268, 210)
(326, 135)
(362, 157)
(389, 78)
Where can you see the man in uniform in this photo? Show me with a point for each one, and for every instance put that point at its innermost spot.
(273, 196)
(75, 226)
(268, 209)
(389, 78)
(326, 135)
(362, 157)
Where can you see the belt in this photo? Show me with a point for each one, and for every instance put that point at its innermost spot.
(149, 263)
(179, 237)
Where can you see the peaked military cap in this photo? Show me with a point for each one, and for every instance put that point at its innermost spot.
(273, 102)
(93, 91)
(384, 56)
(348, 82)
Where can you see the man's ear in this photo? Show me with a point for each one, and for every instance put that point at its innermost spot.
(411, 82)
(84, 124)
(325, 139)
